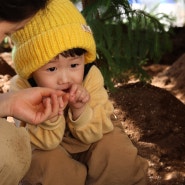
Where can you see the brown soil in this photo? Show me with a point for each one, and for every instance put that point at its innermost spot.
(154, 120)
(153, 116)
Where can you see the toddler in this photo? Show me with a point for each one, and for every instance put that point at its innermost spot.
(84, 145)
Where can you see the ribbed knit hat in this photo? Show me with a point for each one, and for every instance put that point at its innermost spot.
(51, 31)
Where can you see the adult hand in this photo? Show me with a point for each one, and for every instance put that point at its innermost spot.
(33, 105)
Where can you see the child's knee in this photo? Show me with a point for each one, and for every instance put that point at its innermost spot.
(116, 153)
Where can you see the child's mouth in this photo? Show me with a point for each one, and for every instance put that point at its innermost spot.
(66, 90)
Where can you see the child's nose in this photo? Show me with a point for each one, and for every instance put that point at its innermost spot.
(63, 78)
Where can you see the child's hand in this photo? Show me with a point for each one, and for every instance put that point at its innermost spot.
(78, 97)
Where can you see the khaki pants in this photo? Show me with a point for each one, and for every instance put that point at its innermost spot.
(15, 153)
(111, 161)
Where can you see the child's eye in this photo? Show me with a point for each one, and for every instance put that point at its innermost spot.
(52, 69)
(74, 65)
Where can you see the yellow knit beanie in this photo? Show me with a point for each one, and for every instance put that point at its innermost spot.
(51, 31)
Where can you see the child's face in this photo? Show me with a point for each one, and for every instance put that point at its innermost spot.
(60, 72)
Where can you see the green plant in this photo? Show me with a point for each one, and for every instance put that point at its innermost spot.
(126, 39)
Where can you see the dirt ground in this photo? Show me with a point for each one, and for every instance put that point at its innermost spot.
(153, 116)
(154, 120)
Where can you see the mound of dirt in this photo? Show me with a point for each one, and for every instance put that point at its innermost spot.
(172, 78)
(153, 116)
(154, 120)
